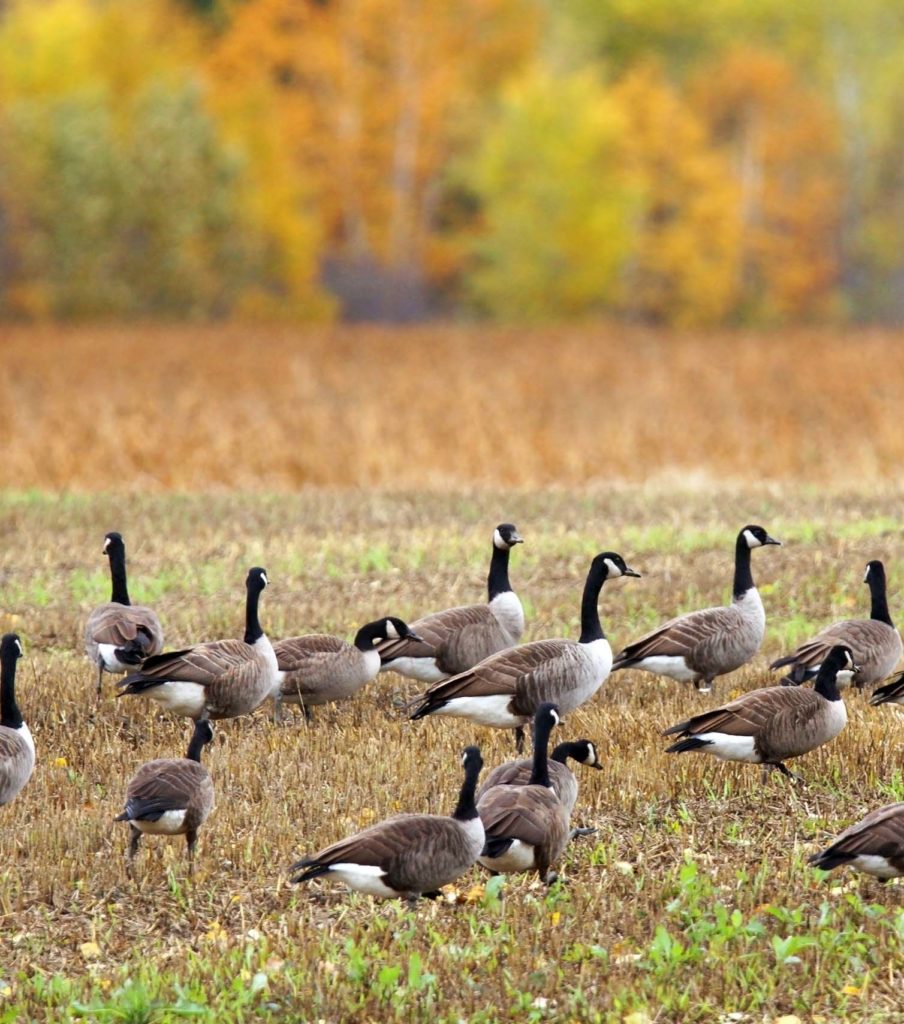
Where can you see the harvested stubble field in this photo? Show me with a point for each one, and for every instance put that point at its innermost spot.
(693, 901)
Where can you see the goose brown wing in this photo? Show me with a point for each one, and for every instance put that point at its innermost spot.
(752, 711)
(119, 624)
(518, 773)
(881, 832)
(381, 844)
(163, 785)
(675, 638)
(202, 663)
(520, 812)
(303, 651)
(502, 673)
(863, 636)
(435, 630)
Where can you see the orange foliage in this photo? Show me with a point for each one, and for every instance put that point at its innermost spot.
(370, 97)
(785, 144)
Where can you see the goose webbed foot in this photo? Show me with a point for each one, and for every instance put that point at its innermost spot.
(778, 766)
(579, 833)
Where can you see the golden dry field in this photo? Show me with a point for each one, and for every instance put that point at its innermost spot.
(693, 901)
(366, 469)
(151, 408)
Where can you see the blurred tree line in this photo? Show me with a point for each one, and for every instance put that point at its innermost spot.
(666, 161)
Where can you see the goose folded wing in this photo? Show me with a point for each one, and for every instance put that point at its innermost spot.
(161, 787)
(502, 673)
(880, 833)
(118, 624)
(434, 630)
(519, 812)
(378, 845)
(200, 664)
(676, 637)
(748, 714)
(302, 652)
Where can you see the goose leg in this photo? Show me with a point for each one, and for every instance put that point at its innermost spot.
(519, 740)
(134, 840)
(191, 839)
(788, 774)
(100, 677)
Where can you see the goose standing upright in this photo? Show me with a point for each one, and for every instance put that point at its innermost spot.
(220, 679)
(456, 639)
(875, 642)
(527, 827)
(171, 796)
(17, 748)
(699, 646)
(771, 725)
(505, 690)
(409, 855)
(319, 668)
(875, 845)
(119, 635)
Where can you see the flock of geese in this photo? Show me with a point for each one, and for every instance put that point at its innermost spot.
(520, 818)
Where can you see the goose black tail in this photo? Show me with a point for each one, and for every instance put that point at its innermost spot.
(312, 869)
(495, 846)
(137, 684)
(691, 743)
(830, 858)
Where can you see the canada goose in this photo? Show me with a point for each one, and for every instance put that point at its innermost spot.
(320, 668)
(119, 635)
(526, 826)
(561, 777)
(505, 690)
(17, 748)
(875, 641)
(456, 639)
(771, 725)
(171, 796)
(409, 855)
(220, 679)
(874, 845)
(701, 645)
(891, 693)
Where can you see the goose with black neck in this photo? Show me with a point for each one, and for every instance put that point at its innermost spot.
(456, 639)
(699, 646)
(505, 690)
(17, 748)
(219, 679)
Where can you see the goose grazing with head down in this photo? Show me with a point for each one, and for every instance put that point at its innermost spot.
(505, 690)
(891, 693)
(561, 777)
(771, 725)
(119, 635)
(409, 855)
(171, 796)
(701, 645)
(454, 640)
(875, 641)
(319, 668)
(527, 827)
(220, 679)
(874, 845)
(17, 748)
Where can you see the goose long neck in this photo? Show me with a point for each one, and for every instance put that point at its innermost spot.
(196, 746)
(498, 579)
(539, 775)
(118, 576)
(743, 579)
(253, 631)
(562, 752)
(826, 684)
(878, 596)
(466, 808)
(10, 715)
(591, 627)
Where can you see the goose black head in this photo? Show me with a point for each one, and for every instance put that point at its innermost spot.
(10, 647)
(612, 565)
(756, 537)
(873, 568)
(471, 760)
(506, 536)
(547, 714)
(204, 731)
(257, 579)
(112, 542)
(840, 660)
(585, 752)
(387, 628)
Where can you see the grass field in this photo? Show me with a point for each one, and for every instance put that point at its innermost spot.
(227, 407)
(693, 901)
